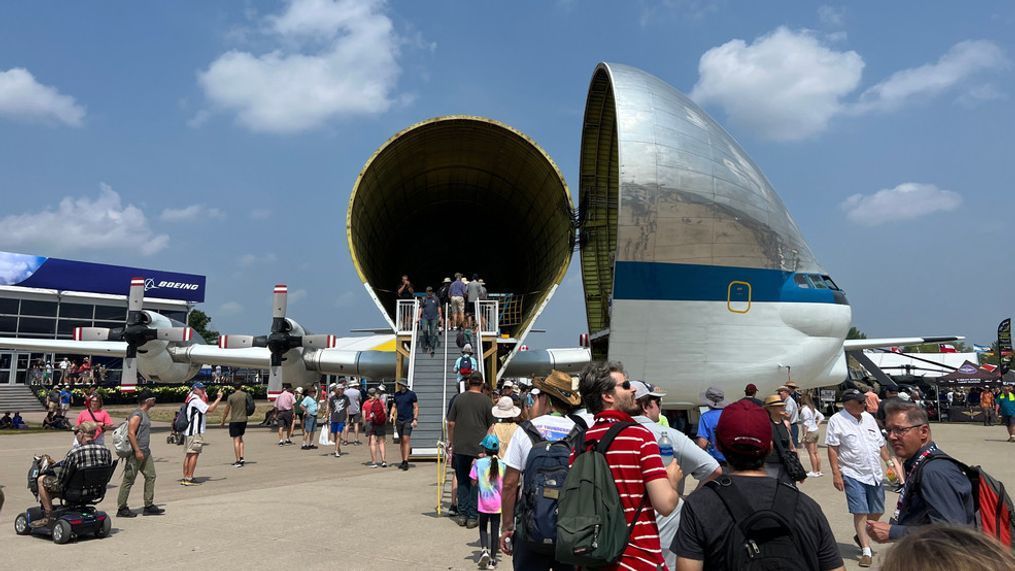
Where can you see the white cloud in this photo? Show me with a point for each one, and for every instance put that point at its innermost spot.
(248, 260)
(980, 93)
(24, 98)
(789, 85)
(832, 16)
(297, 295)
(786, 85)
(345, 299)
(84, 224)
(260, 214)
(192, 213)
(230, 308)
(335, 58)
(904, 202)
(15, 268)
(959, 63)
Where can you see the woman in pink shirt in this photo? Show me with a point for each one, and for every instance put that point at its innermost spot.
(94, 413)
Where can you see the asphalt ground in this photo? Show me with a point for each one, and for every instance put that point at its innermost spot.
(305, 509)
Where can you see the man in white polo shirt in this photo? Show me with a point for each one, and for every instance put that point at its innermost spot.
(854, 445)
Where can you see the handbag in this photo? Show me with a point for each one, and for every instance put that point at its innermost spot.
(794, 468)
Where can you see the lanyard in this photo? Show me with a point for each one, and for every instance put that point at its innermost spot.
(904, 492)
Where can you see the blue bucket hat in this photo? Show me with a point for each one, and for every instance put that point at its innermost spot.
(198, 385)
(490, 442)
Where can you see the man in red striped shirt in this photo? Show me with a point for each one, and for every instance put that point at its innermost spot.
(634, 462)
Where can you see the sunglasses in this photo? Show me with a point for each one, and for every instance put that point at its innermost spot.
(626, 385)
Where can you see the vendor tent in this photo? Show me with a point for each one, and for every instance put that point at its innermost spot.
(968, 374)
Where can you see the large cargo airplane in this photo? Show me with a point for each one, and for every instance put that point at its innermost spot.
(694, 273)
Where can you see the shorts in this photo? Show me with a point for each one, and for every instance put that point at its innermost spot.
(337, 427)
(193, 444)
(284, 418)
(1008, 420)
(404, 428)
(52, 485)
(379, 430)
(355, 418)
(864, 498)
(237, 429)
(309, 423)
(457, 304)
(64, 406)
(810, 437)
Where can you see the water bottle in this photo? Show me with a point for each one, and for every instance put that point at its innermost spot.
(665, 449)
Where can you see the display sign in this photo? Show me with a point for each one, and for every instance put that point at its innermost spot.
(1004, 349)
(70, 275)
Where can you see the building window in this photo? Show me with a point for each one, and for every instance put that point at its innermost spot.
(37, 325)
(76, 310)
(66, 326)
(9, 306)
(38, 308)
(111, 312)
(8, 324)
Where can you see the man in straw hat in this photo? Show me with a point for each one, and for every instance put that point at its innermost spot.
(691, 459)
(715, 400)
(87, 454)
(554, 400)
(708, 537)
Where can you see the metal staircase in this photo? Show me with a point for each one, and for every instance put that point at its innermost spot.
(432, 377)
(19, 398)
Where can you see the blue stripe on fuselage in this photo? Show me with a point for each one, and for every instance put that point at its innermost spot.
(695, 282)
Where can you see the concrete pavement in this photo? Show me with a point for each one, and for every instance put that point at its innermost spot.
(303, 508)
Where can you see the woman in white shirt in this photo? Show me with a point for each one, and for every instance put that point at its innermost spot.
(811, 417)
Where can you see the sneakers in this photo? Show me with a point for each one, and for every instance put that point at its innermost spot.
(403, 466)
(484, 559)
(153, 510)
(461, 520)
(372, 465)
(125, 512)
(186, 482)
(384, 464)
(281, 442)
(453, 510)
(818, 474)
(338, 454)
(472, 523)
(237, 464)
(866, 560)
(814, 474)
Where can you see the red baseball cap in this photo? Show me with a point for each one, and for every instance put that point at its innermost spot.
(751, 389)
(744, 428)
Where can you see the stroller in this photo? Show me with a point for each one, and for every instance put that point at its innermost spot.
(75, 516)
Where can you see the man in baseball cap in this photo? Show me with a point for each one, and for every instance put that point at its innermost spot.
(744, 435)
(751, 394)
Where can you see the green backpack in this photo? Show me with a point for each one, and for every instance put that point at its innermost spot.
(591, 528)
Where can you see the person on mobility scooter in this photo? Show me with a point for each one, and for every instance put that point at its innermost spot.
(80, 481)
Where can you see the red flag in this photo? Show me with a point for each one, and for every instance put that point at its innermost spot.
(988, 367)
(947, 348)
(896, 350)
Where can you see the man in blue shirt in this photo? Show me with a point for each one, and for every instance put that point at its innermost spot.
(1006, 408)
(936, 489)
(64, 400)
(457, 291)
(429, 317)
(309, 407)
(715, 398)
(404, 415)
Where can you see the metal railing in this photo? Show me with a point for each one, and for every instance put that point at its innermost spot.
(411, 374)
(488, 320)
(405, 316)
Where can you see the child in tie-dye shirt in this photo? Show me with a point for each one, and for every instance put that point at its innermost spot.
(488, 474)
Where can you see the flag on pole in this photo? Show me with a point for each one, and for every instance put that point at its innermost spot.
(947, 348)
(982, 349)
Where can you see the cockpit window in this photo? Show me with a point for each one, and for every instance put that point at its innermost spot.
(802, 281)
(831, 284)
(817, 281)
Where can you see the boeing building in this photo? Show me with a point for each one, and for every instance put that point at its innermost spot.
(47, 298)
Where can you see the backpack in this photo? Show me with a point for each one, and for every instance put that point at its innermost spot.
(762, 539)
(180, 421)
(121, 444)
(465, 366)
(460, 338)
(377, 413)
(992, 506)
(546, 469)
(591, 528)
(251, 407)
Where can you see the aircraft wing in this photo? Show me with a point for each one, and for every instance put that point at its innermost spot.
(107, 348)
(859, 344)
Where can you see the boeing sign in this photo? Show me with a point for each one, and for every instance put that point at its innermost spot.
(70, 275)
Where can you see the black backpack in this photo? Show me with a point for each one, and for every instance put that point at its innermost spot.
(250, 405)
(762, 539)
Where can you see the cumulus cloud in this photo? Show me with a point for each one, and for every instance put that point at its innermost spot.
(230, 308)
(789, 85)
(194, 212)
(15, 268)
(84, 224)
(904, 202)
(25, 99)
(260, 214)
(962, 61)
(786, 85)
(334, 58)
(297, 295)
(832, 16)
(345, 299)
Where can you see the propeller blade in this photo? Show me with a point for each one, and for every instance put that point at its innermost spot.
(279, 301)
(129, 377)
(136, 298)
(275, 376)
(178, 334)
(91, 333)
(319, 341)
(236, 341)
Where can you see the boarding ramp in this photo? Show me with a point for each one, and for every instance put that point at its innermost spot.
(433, 379)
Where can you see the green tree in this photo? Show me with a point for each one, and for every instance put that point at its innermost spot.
(855, 333)
(200, 321)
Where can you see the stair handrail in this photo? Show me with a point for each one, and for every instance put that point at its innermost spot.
(477, 335)
(444, 377)
(412, 342)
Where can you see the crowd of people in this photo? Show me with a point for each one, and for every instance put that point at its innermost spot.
(68, 371)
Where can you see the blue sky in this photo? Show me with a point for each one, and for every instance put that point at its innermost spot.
(178, 136)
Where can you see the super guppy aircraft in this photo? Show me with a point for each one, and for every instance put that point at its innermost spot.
(694, 273)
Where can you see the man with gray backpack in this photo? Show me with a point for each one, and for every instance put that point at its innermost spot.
(746, 520)
(137, 455)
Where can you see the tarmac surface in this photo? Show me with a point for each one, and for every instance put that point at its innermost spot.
(304, 509)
